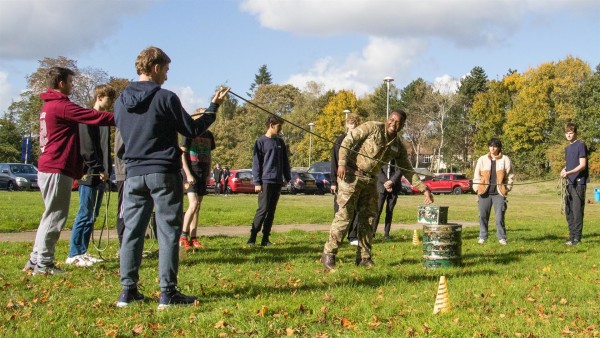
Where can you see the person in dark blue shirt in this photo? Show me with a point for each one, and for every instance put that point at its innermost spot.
(270, 171)
(576, 174)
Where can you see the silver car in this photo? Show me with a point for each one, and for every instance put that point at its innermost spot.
(18, 176)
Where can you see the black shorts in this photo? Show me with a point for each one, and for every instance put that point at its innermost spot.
(202, 177)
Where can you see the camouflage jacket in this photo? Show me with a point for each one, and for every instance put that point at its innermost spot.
(367, 148)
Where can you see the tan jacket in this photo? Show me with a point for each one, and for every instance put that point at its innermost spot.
(504, 174)
(371, 140)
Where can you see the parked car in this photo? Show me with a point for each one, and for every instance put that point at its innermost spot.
(407, 188)
(301, 182)
(323, 181)
(320, 167)
(240, 181)
(18, 176)
(450, 183)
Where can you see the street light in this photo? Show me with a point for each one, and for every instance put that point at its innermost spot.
(347, 112)
(310, 125)
(387, 80)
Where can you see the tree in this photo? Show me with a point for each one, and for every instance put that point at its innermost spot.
(328, 126)
(443, 102)
(488, 115)
(263, 77)
(418, 130)
(10, 141)
(25, 115)
(587, 110)
(474, 83)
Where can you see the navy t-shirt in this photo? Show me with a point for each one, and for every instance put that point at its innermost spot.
(573, 153)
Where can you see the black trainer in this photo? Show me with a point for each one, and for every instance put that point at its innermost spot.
(174, 297)
(128, 296)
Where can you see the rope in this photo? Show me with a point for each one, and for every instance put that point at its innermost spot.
(316, 135)
(561, 186)
(353, 150)
(104, 224)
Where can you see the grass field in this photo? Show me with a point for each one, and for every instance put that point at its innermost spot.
(533, 287)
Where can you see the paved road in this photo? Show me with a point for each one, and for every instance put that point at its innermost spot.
(234, 231)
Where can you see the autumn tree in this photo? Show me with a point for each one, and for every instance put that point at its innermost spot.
(587, 117)
(328, 126)
(488, 115)
(309, 104)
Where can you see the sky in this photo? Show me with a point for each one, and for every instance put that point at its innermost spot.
(341, 44)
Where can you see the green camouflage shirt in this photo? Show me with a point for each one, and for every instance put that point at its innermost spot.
(373, 148)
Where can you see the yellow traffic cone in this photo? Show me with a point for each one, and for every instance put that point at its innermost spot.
(442, 301)
(416, 237)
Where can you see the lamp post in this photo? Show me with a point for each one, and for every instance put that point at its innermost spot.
(310, 126)
(387, 80)
(347, 112)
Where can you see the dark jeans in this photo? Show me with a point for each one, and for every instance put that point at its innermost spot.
(120, 221)
(388, 199)
(162, 192)
(574, 207)
(353, 229)
(267, 203)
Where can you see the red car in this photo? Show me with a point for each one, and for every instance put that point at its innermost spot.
(449, 183)
(240, 181)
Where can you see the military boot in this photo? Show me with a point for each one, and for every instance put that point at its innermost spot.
(366, 262)
(328, 261)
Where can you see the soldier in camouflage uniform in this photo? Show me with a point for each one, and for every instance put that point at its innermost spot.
(376, 143)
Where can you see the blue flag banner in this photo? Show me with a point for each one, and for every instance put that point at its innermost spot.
(26, 146)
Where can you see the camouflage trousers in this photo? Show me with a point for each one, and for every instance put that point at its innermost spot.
(356, 194)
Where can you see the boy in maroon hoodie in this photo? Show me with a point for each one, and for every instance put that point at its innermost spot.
(59, 163)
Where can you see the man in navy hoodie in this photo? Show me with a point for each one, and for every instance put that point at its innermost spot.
(149, 119)
(270, 171)
(59, 163)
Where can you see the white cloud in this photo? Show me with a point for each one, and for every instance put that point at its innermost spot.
(399, 31)
(446, 84)
(380, 58)
(7, 94)
(189, 101)
(463, 22)
(31, 29)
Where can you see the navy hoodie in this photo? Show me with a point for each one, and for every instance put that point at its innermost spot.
(149, 119)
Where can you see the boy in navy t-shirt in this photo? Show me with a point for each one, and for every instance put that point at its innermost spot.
(576, 173)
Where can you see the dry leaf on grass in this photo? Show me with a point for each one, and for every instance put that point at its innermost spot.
(138, 329)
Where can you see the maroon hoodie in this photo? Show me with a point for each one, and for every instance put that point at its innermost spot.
(59, 133)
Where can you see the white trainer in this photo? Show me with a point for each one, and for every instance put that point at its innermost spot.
(481, 241)
(502, 241)
(354, 242)
(79, 261)
(92, 259)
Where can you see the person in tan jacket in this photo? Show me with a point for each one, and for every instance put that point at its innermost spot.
(492, 181)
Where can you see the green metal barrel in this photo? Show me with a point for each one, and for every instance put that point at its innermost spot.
(442, 245)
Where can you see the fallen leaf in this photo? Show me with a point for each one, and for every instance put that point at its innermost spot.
(220, 324)
(290, 332)
(263, 311)
(346, 322)
(138, 329)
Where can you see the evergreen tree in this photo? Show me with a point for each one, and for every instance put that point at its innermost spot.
(262, 78)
